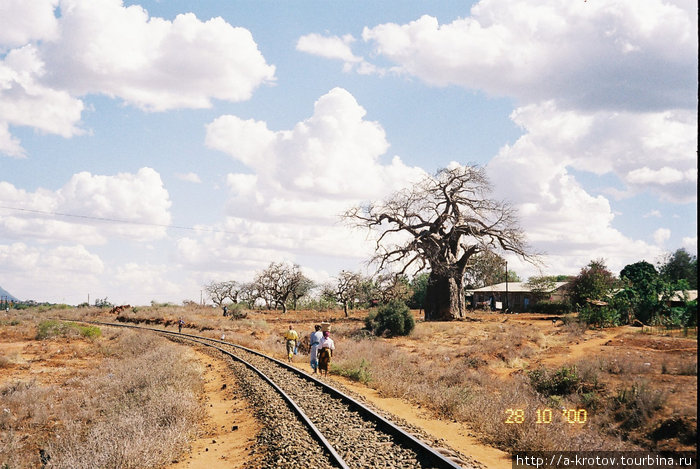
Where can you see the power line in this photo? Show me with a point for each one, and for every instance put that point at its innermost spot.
(115, 220)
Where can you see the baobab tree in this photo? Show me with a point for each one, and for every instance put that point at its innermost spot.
(440, 224)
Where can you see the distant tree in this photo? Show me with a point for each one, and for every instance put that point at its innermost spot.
(103, 303)
(487, 268)
(219, 292)
(419, 285)
(393, 287)
(594, 282)
(347, 289)
(642, 287)
(541, 286)
(249, 293)
(680, 266)
(302, 288)
(440, 224)
(278, 283)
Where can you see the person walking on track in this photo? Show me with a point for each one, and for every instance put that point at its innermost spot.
(325, 353)
(292, 340)
(314, 342)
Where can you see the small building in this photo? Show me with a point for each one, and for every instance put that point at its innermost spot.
(679, 297)
(519, 299)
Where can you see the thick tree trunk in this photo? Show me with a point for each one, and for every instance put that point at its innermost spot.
(444, 298)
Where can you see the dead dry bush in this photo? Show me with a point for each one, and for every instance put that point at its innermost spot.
(138, 409)
(453, 389)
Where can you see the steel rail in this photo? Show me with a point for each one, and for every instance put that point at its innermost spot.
(337, 459)
(422, 449)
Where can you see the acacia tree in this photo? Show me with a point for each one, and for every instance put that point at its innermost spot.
(280, 282)
(346, 289)
(393, 287)
(487, 268)
(219, 292)
(439, 224)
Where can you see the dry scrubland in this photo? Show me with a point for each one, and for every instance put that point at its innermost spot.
(638, 390)
(86, 397)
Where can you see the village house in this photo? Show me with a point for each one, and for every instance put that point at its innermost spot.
(518, 299)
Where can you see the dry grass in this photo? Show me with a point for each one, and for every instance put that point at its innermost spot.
(457, 390)
(474, 371)
(126, 413)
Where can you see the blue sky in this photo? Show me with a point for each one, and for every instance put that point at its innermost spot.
(199, 141)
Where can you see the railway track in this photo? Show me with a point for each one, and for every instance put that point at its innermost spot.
(309, 422)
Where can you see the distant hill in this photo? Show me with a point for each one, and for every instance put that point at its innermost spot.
(6, 294)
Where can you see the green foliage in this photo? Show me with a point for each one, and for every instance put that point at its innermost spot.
(551, 307)
(487, 268)
(594, 282)
(322, 304)
(599, 316)
(642, 288)
(562, 381)
(52, 328)
(419, 285)
(357, 372)
(392, 319)
(103, 303)
(680, 266)
(541, 286)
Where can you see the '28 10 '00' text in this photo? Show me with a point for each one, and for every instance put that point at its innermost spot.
(545, 416)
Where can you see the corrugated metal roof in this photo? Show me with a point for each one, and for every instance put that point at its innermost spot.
(678, 295)
(513, 287)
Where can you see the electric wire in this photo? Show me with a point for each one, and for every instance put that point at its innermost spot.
(117, 220)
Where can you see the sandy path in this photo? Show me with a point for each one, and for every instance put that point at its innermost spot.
(233, 447)
(456, 435)
(230, 428)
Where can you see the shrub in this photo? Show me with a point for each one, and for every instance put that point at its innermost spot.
(52, 328)
(392, 319)
(551, 307)
(237, 311)
(563, 381)
(600, 316)
(356, 371)
(637, 403)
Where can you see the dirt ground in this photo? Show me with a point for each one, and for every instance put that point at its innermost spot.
(230, 428)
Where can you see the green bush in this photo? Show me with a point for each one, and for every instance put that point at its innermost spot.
(560, 382)
(551, 307)
(52, 328)
(391, 319)
(357, 371)
(600, 316)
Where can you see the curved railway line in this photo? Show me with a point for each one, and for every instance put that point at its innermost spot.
(308, 421)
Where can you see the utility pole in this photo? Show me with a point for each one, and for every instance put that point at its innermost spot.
(506, 286)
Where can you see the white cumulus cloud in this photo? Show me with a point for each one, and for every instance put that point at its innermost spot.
(26, 101)
(301, 180)
(89, 208)
(599, 55)
(151, 62)
(104, 47)
(661, 235)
